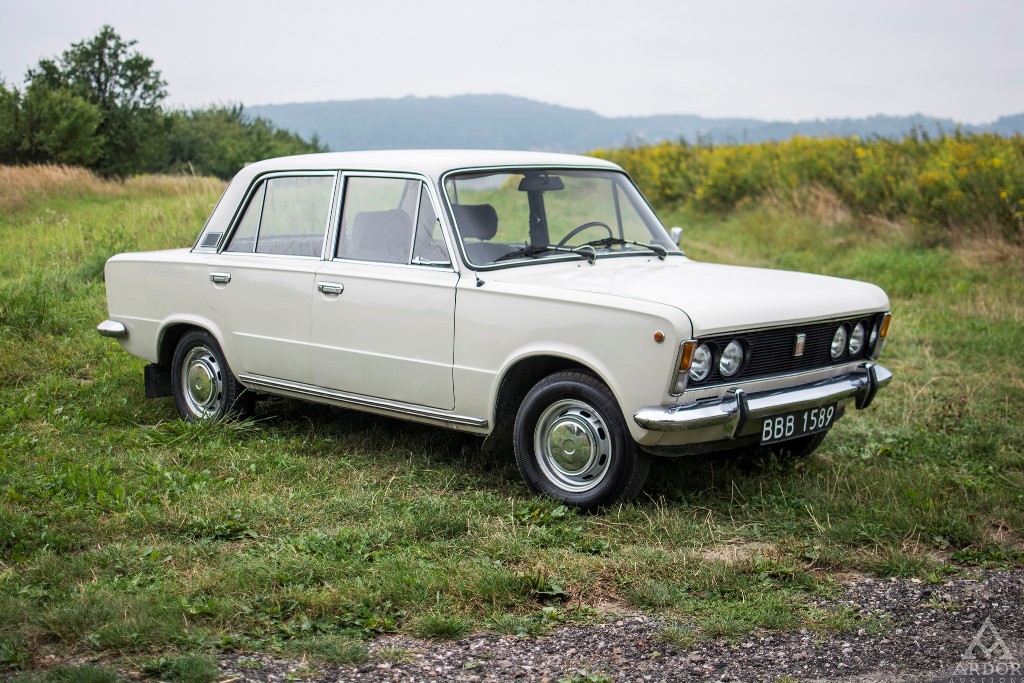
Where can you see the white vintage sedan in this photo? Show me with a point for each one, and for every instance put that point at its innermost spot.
(526, 297)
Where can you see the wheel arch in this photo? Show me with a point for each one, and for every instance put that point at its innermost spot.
(516, 381)
(169, 338)
(172, 331)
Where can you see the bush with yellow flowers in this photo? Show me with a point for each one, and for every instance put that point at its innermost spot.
(953, 185)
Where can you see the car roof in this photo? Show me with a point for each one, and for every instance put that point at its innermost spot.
(432, 163)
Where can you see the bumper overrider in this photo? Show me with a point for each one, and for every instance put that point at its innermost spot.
(737, 412)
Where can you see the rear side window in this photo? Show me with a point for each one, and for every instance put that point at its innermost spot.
(285, 216)
(244, 239)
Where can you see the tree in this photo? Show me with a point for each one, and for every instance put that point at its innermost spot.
(220, 140)
(124, 87)
(48, 126)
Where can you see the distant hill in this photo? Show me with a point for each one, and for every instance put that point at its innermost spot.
(506, 122)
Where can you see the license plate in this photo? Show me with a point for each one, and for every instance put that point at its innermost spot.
(798, 423)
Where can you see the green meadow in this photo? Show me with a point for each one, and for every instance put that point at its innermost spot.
(133, 539)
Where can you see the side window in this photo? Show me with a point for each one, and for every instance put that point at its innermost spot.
(285, 216)
(376, 222)
(295, 216)
(429, 248)
(244, 239)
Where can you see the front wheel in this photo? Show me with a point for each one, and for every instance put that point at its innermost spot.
(571, 443)
(203, 385)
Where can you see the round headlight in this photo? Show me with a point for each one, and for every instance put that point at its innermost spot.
(839, 342)
(700, 368)
(856, 340)
(732, 359)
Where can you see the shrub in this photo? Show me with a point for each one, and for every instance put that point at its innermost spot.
(951, 186)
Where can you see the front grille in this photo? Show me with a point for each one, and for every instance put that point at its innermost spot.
(770, 352)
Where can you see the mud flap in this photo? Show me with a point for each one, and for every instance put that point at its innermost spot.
(158, 381)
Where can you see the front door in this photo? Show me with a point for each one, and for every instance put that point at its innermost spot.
(383, 311)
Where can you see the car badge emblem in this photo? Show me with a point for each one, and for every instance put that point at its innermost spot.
(798, 348)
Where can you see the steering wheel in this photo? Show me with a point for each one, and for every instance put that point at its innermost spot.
(577, 230)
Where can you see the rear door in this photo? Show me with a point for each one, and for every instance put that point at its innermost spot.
(262, 282)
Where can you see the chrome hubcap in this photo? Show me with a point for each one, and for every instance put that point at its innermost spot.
(202, 382)
(573, 446)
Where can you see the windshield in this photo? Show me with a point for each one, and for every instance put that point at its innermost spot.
(511, 216)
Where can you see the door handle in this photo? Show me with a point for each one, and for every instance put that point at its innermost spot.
(330, 287)
(222, 278)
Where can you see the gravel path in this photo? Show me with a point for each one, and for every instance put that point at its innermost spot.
(927, 630)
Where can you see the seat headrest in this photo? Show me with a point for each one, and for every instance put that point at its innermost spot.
(476, 220)
(381, 236)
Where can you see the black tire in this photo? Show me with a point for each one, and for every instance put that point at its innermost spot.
(203, 384)
(598, 463)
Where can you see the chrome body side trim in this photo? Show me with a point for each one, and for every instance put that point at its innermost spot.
(341, 398)
(112, 328)
(738, 409)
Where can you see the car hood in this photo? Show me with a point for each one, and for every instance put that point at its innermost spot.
(717, 298)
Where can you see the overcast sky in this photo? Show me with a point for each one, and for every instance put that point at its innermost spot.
(777, 59)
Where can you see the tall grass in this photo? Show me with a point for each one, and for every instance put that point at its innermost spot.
(950, 186)
(23, 186)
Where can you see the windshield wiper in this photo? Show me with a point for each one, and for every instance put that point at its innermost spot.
(661, 251)
(537, 249)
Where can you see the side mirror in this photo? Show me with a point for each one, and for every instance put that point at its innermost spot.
(677, 234)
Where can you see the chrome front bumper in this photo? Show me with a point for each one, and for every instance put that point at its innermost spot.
(736, 410)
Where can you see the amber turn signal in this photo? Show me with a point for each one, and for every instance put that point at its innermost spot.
(884, 330)
(686, 357)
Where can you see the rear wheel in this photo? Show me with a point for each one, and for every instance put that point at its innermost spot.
(571, 443)
(204, 387)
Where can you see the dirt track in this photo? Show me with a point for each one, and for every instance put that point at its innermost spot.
(926, 630)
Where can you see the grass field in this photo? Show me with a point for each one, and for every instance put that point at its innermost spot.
(133, 538)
